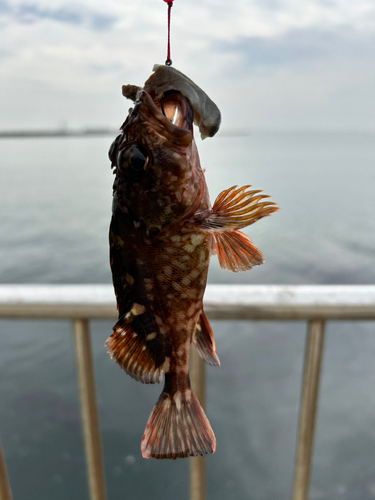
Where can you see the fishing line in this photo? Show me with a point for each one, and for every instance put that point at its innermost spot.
(168, 62)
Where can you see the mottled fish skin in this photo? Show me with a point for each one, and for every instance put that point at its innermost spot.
(162, 233)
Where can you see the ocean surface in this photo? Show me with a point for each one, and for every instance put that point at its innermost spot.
(55, 207)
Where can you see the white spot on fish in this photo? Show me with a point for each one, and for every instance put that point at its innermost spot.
(178, 264)
(151, 336)
(136, 224)
(191, 310)
(166, 365)
(158, 320)
(177, 400)
(196, 239)
(148, 283)
(129, 279)
(194, 274)
(175, 238)
(186, 281)
(189, 248)
(167, 271)
(137, 309)
(181, 352)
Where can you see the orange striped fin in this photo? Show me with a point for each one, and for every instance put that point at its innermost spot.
(236, 252)
(204, 341)
(177, 428)
(235, 208)
(138, 352)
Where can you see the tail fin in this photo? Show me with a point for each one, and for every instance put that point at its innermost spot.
(177, 428)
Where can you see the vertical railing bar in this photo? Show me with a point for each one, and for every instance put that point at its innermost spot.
(5, 493)
(308, 404)
(197, 464)
(89, 411)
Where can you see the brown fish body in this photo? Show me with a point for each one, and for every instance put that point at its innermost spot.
(162, 233)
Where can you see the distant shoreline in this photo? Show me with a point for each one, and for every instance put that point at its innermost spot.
(57, 133)
(102, 131)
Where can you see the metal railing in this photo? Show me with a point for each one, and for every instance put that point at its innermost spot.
(79, 303)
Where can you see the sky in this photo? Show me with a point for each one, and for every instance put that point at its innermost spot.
(268, 64)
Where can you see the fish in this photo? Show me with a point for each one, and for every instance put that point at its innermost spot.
(162, 233)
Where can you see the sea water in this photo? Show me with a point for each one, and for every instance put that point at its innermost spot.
(55, 207)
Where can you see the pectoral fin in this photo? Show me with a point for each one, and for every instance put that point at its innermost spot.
(236, 208)
(236, 252)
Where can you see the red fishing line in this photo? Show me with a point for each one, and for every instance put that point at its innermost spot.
(168, 62)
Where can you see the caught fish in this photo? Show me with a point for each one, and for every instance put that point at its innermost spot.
(162, 232)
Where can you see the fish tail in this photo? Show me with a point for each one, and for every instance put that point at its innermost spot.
(177, 428)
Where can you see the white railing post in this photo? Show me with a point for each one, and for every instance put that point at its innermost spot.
(5, 493)
(89, 411)
(197, 464)
(308, 403)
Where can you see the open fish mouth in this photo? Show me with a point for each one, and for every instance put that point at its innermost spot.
(171, 116)
(177, 109)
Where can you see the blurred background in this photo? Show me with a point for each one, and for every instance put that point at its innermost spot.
(295, 84)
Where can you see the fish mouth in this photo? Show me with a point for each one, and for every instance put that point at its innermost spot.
(170, 116)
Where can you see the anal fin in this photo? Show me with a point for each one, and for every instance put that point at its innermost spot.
(204, 341)
(236, 252)
(136, 349)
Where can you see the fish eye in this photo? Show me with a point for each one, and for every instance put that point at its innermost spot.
(134, 156)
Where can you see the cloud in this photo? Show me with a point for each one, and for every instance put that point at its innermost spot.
(4, 7)
(298, 46)
(32, 13)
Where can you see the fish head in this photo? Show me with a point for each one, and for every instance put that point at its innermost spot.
(159, 180)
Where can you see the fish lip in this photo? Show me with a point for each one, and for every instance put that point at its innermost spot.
(166, 127)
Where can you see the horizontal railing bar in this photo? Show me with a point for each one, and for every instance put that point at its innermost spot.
(248, 302)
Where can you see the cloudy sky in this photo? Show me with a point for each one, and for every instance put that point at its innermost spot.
(268, 64)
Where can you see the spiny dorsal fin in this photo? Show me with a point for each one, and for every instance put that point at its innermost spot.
(236, 252)
(136, 344)
(204, 341)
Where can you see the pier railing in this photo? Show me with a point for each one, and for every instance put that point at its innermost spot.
(80, 303)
